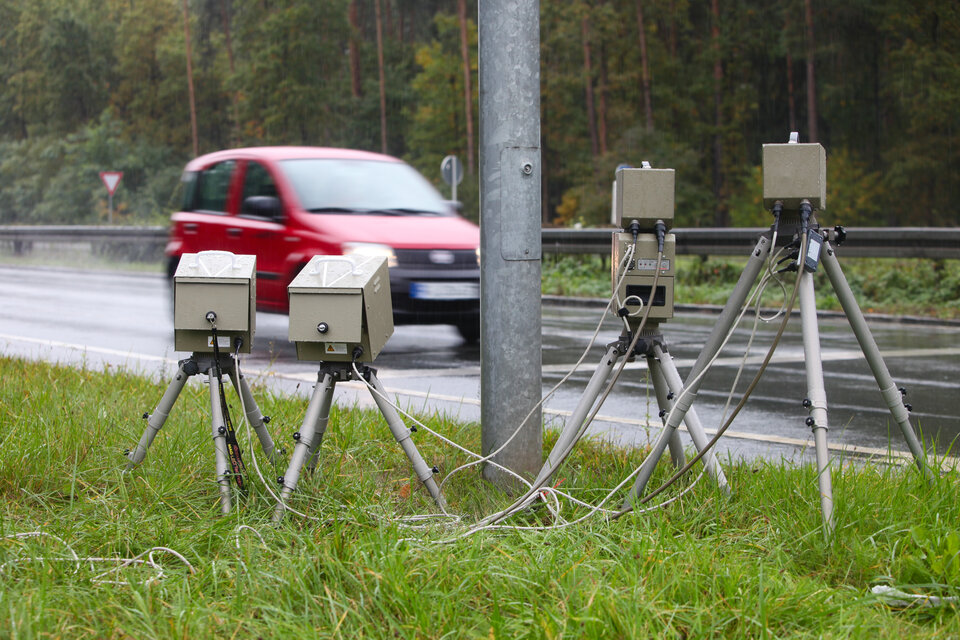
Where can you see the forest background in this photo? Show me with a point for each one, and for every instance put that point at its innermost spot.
(140, 86)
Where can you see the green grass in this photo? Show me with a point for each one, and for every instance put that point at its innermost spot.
(754, 565)
(81, 256)
(917, 287)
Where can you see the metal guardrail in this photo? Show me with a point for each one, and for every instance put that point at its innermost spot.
(864, 242)
(871, 242)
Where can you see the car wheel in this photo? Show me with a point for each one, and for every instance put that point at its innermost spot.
(469, 330)
(172, 263)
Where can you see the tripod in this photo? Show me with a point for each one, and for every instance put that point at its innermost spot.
(308, 439)
(816, 400)
(208, 364)
(667, 386)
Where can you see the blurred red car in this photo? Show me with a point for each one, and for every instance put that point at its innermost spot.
(287, 204)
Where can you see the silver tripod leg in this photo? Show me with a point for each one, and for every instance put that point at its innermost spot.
(321, 397)
(662, 391)
(219, 428)
(728, 316)
(665, 364)
(402, 435)
(711, 347)
(817, 396)
(891, 394)
(323, 419)
(571, 430)
(254, 416)
(156, 420)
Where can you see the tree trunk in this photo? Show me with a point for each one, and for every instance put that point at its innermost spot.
(588, 82)
(191, 95)
(602, 106)
(467, 82)
(720, 215)
(644, 69)
(225, 19)
(383, 89)
(356, 87)
(791, 94)
(811, 80)
(228, 42)
(387, 9)
(673, 30)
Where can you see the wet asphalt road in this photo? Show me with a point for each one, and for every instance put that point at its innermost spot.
(125, 320)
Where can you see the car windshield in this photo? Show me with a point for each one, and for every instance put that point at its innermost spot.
(362, 186)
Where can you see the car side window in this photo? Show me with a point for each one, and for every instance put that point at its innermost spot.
(257, 182)
(213, 186)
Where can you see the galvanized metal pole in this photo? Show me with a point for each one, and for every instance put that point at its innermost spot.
(510, 342)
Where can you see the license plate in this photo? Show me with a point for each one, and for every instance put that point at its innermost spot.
(445, 290)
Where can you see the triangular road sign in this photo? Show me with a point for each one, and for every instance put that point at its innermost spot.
(111, 179)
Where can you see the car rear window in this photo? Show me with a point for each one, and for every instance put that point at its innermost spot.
(188, 190)
(362, 186)
(214, 184)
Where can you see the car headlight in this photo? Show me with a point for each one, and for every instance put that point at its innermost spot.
(478, 256)
(370, 249)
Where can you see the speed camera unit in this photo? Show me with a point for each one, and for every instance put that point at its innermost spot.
(794, 172)
(214, 290)
(645, 195)
(635, 289)
(340, 308)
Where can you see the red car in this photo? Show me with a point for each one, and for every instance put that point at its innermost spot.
(287, 204)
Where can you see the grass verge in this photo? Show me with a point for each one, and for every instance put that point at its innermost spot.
(914, 287)
(754, 565)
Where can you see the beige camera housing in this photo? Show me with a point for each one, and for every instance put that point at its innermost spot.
(340, 308)
(645, 195)
(219, 282)
(794, 172)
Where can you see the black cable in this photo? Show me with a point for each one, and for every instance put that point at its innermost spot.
(230, 435)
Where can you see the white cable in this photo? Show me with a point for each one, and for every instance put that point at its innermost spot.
(104, 576)
(253, 456)
(621, 268)
(520, 503)
(758, 317)
(479, 459)
(488, 458)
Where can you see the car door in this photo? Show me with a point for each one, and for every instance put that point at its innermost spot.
(203, 224)
(258, 229)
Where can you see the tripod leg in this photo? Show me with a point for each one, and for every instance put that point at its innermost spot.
(662, 390)
(219, 442)
(711, 347)
(817, 396)
(664, 363)
(322, 395)
(402, 435)
(254, 415)
(729, 314)
(571, 431)
(156, 419)
(870, 350)
(323, 419)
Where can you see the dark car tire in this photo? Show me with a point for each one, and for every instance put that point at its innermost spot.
(469, 330)
(172, 263)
